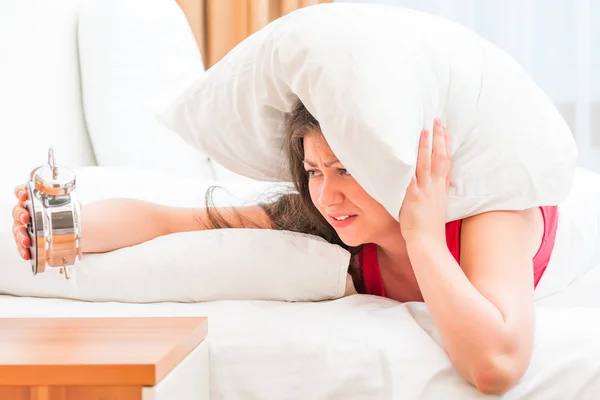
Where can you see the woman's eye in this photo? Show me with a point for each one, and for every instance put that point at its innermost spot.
(344, 171)
(312, 173)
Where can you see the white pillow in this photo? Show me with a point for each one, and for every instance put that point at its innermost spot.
(374, 76)
(577, 246)
(126, 64)
(223, 264)
(228, 264)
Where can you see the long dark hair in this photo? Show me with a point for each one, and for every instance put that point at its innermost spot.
(295, 211)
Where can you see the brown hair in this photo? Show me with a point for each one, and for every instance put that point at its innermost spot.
(296, 211)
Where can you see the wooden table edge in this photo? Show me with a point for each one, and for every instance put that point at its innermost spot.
(130, 374)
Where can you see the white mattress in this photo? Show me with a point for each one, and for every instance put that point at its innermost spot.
(358, 347)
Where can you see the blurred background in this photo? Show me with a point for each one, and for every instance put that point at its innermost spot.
(556, 41)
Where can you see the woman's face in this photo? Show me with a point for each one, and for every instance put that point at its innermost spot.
(354, 214)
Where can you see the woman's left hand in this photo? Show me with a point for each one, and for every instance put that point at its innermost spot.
(423, 212)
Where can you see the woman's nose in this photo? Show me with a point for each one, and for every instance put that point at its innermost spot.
(330, 193)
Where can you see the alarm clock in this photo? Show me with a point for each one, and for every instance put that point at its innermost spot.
(54, 226)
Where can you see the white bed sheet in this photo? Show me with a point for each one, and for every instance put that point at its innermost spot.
(358, 347)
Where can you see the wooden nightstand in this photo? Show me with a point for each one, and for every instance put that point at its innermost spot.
(104, 359)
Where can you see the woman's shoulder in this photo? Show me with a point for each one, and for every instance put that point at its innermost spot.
(533, 223)
(529, 215)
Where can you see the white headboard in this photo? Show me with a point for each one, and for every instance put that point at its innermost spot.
(74, 76)
(40, 95)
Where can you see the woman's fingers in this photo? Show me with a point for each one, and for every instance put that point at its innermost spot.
(21, 194)
(434, 162)
(22, 241)
(19, 189)
(21, 219)
(423, 171)
(439, 159)
(449, 155)
(448, 142)
(20, 215)
(21, 237)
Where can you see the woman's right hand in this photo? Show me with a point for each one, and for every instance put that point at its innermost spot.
(21, 219)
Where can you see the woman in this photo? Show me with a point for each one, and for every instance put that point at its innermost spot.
(477, 275)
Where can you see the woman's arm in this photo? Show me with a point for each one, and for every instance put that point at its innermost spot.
(484, 311)
(115, 223)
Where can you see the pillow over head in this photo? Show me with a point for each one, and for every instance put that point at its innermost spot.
(374, 76)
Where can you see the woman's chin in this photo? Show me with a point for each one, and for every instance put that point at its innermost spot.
(351, 233)
(351, 240)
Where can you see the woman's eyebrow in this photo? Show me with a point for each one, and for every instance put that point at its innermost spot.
(327, 164)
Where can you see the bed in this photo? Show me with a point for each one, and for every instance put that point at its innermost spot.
(353, 347)
(356, 347)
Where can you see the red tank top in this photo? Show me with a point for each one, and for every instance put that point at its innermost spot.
(370, 265)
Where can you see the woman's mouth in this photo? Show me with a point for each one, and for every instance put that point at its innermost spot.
(341, 220)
